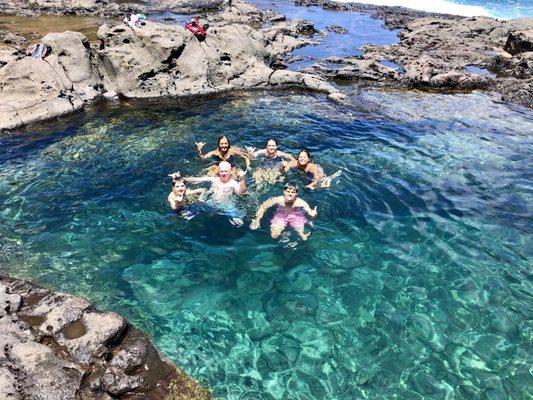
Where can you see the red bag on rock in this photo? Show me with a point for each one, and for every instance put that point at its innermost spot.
(196, 29)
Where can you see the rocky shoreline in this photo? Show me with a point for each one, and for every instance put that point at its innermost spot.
(438, 52)
(58, 346)
(435, 52)
(150, 62)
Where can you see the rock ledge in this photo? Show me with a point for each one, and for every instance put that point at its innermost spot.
(58, 346)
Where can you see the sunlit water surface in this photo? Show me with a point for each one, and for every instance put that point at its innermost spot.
(416, 282)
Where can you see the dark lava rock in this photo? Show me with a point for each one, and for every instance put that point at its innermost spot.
(58, 346)
(519, 42)
(337, 29)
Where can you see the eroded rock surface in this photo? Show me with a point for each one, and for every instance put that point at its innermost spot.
(447, 53)
(57, 346)
(152, 61)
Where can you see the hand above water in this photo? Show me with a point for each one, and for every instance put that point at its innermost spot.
(312, 213)
(241, 175)
(250, 150)
(254, 225)
(199, 145)
(175, 175)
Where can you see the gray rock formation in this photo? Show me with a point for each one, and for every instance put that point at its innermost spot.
(153, 61)
(58, 346)
(439, 53)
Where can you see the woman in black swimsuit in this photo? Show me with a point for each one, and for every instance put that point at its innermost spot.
(224, 152)
(271, 161)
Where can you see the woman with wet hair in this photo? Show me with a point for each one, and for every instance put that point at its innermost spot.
(314, 175)
(270, 162)
(223, 152)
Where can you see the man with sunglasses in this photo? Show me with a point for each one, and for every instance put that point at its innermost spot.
(290, 212)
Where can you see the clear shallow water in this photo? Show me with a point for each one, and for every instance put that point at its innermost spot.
(415, 283)
(505, 9)
(362, 29)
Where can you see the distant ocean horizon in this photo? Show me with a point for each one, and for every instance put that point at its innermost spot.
(503, 9)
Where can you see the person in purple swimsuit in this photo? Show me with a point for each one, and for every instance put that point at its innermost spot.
(290, 212)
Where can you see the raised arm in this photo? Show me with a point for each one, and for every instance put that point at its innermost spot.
(262, 209)
(305, 206)
(240, 189)
(200, 146)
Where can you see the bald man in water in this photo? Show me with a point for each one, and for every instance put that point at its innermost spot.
(223, 189)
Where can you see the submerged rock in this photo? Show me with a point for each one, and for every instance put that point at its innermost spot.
(58, 346)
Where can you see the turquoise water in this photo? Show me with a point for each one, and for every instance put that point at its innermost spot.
(415, 282)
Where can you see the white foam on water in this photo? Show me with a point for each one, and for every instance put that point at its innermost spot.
(436, 6)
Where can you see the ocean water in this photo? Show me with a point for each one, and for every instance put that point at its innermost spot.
(504, 9)
(416, 281)
(361, 29)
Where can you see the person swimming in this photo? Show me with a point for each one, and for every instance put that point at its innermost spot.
(181, 199)
(223, 190)
(314, 175)
(224, 152)
(271, 161)
(290, 212)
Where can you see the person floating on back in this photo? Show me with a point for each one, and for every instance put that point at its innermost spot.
(290, 211)
(314, 175)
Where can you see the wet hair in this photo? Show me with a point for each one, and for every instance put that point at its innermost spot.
(291, 184)
(306, 152)
(178, 180)
(273, 139)
(223, 137)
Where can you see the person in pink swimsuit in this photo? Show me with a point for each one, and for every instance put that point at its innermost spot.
(290, 212)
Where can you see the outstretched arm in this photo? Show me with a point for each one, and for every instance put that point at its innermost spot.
(195, 191)
(262, 209)
(286, 156)
(285, 166)
(317, 175)
(305, 206)
(198, 179)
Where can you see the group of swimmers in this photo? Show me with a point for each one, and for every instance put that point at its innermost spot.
(227, 181)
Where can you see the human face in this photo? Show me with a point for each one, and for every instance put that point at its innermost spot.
(224, 173)
(180, 188)
(272, 147)
(303, 158)
(223, 145)
(290, 194)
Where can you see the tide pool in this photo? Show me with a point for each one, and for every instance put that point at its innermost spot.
(415, 282)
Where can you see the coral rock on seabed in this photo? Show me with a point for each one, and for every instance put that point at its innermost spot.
(58, 346)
